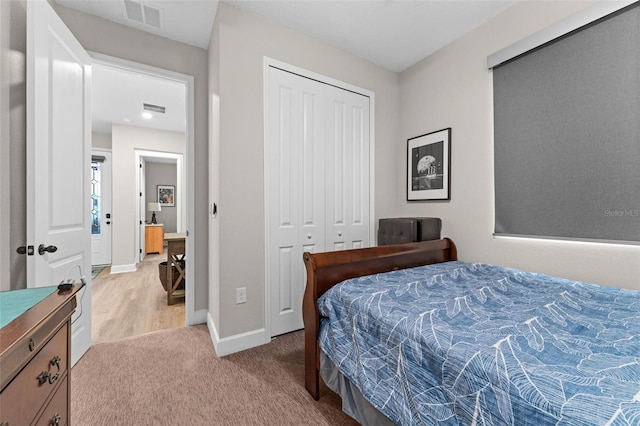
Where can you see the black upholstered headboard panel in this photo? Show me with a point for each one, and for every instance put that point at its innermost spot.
(429, 228)
(408, 229)
(397, 231)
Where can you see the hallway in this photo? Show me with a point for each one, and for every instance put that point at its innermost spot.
(132, 303)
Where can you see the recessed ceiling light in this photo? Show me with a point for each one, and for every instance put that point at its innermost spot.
(147, 115)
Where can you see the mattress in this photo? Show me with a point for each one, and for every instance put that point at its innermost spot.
(457, 343)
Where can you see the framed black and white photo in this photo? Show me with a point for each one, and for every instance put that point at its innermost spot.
(166, 195)
(429, 166)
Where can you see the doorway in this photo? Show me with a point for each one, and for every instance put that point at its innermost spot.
(185, 176)
(100, 188)
(157, 171)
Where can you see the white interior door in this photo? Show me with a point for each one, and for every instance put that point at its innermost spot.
(58, 161)
(100, 187)
(317, 165)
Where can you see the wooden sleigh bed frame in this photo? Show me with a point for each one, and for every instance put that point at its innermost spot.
(325, 270)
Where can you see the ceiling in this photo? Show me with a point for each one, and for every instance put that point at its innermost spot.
(188, 21)
(393, 34)
(118, 97)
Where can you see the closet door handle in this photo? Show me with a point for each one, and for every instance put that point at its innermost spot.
(308, 236)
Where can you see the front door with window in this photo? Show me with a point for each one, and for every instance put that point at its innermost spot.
(101, 208)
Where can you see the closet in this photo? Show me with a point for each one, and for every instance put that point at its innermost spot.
(317, 182)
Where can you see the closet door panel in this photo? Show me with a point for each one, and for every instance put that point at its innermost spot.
(284, 223)
(359, 219)
(347, 198)
(312, 178)
(337, 173)
(295, 157)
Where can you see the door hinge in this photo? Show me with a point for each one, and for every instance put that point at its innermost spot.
(140, 251)
(141, 194)
(140, 222)
(140, 165)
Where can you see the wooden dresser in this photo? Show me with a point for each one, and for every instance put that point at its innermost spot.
(153, 238)
(35, 351)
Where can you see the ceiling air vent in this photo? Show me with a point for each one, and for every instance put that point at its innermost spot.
(143, 14)
(154, 108)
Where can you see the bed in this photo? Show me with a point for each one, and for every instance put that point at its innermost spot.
(420, 338)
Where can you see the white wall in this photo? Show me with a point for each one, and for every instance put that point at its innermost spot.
(125, 140)
(102, 36)
(238, 46)
(101, 140)
(453, 88)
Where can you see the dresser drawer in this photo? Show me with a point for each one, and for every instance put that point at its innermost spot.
(56, 412)
(19, 353)
(21, 400)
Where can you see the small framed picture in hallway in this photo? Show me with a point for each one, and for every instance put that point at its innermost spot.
(166, 195)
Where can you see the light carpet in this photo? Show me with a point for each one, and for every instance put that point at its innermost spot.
(173, 377)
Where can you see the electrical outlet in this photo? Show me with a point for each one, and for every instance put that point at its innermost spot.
(241, 295)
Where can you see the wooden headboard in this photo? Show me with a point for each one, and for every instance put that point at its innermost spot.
(324, 270)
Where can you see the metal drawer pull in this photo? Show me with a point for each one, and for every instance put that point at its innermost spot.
(45, 375)
(55, 420)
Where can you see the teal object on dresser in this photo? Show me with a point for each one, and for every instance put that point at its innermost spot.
(16, 302)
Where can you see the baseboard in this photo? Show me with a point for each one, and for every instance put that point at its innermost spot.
(236, 343)
(199, 317)
(119, 269)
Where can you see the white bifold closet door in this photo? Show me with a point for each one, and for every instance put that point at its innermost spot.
(318, 163)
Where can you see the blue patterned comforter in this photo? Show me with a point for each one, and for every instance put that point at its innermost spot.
(474, 344)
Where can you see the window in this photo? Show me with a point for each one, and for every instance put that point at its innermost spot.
(96, 181)
(567, 135)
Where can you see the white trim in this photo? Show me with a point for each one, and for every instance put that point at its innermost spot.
(236, 343)
(573, 22)
(146, 154)
(516, 237)
(270, 62)
(119, 269)
(188, 81)
(200, 317)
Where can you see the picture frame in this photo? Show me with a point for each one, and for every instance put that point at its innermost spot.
(167, 195)
(429, 166)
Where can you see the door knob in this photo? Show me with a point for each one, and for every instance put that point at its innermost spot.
(309, 236)
(42, 249)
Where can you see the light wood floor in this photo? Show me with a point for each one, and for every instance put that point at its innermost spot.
(132, 303)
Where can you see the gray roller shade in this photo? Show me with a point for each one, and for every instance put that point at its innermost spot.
(567, 135)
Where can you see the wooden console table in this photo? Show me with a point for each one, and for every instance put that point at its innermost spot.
(175, 259)
(35, 355)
